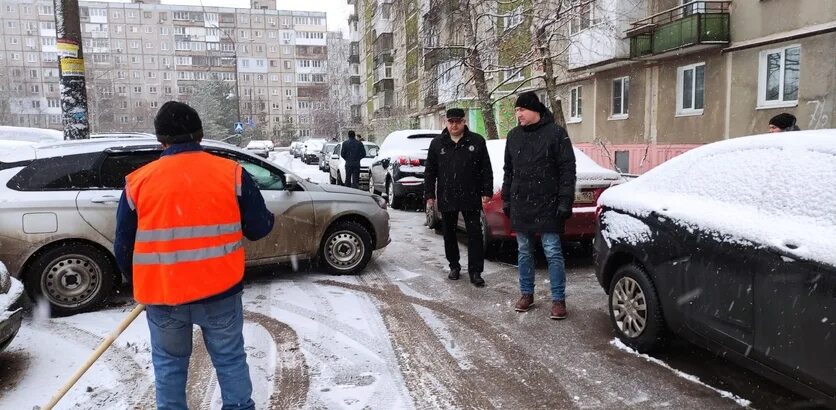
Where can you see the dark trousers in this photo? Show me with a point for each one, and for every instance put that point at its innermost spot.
(352, 176)
(475, 247)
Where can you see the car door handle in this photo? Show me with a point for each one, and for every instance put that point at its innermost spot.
(105, 199)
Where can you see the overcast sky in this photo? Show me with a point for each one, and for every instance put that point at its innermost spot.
(338, 10)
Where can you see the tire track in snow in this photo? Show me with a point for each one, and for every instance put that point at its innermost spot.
(526, 384)
(292, 380)
(133, 379)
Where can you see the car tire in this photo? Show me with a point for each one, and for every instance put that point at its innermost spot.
(74, 278)
(394, 201)
(346, 248)
(371, 185)
(635, 311)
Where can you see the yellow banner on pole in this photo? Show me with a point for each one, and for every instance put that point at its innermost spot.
(72, 67)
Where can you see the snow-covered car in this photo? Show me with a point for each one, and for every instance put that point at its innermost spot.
(259, 148)
(731, 246)
(11, 314)
(58, 217)
(325, 156)
(33, 135)
(398, 169)
(310, 153)
(123, 135)
(337, 165)
(592, 180)
(296, 148)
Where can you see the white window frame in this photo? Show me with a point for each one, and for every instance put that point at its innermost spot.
(575, 104)
(517, 76)
(681, 111)
(762, 67)
(625, 91)
(512, 19)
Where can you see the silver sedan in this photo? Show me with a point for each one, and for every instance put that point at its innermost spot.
(58, 217)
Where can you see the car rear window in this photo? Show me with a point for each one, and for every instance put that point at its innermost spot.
(117, 166)
(69, 172)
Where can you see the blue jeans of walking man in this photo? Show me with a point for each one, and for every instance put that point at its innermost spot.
(554, 256)
(221, 322)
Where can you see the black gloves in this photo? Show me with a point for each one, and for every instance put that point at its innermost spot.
(564, 212)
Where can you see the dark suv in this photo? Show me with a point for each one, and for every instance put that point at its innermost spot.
(398, 170)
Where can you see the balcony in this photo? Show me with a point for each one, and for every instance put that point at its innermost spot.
(436, 56)
(354, 59)
(354, 79)
(696, 25)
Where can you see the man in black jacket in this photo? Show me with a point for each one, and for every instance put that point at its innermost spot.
(352, 152)
(537, 192)
(458, 172)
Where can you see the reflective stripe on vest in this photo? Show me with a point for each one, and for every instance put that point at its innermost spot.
(189, 243)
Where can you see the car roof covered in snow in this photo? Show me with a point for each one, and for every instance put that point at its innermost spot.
(776, 190)
(400, 143)
(84, 146)
(30, 134)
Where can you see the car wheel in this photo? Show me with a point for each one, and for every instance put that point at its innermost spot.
(635, 311)
(73, 278)
(371, 185)
(346, 248)
(394, 201)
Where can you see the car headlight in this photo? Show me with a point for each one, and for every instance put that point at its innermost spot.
(380, 201)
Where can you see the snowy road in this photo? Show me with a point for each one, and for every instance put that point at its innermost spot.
(399, 336)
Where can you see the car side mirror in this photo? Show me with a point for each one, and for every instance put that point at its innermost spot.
(290, 182)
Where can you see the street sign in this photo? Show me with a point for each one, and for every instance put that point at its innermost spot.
(239, 127)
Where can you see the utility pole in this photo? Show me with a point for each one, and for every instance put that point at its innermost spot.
(71, 70)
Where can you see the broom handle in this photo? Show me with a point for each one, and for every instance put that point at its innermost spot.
(95, 356)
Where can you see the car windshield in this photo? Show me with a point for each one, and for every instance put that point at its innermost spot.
(371, 150)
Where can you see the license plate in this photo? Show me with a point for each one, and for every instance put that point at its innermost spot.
(584, 196)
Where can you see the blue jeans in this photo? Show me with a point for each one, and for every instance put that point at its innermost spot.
(554, 255)
(222, 323)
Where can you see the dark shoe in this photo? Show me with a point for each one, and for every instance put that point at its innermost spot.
(558, 310)
(525, 303)
(454, 273)
(476, 279)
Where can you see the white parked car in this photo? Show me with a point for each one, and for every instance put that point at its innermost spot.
(310, 154)
(336, 164)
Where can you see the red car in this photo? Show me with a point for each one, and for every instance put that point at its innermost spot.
(592, 180)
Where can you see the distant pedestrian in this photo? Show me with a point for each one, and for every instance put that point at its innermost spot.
(458, 174)
(352, 152)
(538, 191)
(783, 122)
(180, 229)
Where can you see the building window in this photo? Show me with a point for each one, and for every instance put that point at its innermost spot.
(778, 77)
(622, 161)
(513, 74)
(576, 104)
(513, 19)
(584, 16)
(620, 97)
(690, 89)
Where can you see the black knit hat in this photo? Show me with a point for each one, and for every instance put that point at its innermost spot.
(529, 101)
(177, 123)
(783, 121)
(456, 113)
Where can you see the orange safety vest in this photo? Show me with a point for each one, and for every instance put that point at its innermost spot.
(188, 241)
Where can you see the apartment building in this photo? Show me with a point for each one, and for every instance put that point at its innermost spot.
(139, 55)
(638, 81)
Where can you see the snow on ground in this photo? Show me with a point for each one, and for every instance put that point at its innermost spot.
(777, 190)
(621, 346)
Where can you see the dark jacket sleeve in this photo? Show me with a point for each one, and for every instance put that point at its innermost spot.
(431, 171)
(509, 174)
(566, 170)
(123, 244)
(256, 220)
(487, 171)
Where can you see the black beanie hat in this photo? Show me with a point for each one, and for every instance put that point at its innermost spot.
(177, 123)
(529, 101)
(783, 121)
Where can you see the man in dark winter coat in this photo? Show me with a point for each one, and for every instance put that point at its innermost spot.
(352, 152)
(457, 174)
(538, 191)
